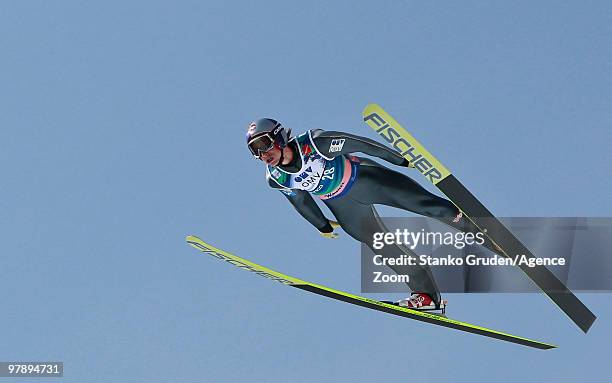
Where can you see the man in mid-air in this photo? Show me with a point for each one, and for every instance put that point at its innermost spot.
(321, 163)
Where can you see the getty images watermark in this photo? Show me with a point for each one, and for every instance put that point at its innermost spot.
(404, 251)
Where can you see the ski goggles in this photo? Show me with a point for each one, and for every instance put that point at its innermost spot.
(261, 144)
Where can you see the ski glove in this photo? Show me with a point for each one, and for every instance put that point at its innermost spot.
(407, 164)
(331, 234)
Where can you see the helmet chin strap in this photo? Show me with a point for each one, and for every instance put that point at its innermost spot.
(291, 147)
(282, 157)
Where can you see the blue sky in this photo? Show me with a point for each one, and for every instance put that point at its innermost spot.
(122, 129)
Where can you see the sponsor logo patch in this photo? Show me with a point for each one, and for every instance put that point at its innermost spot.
(336, 145)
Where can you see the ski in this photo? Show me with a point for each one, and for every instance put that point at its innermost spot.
(411, 149)
(358, 300)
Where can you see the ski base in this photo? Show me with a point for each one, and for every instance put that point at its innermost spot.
(411, 149)
(435, 319)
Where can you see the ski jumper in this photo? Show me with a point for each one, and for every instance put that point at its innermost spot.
(350, 186)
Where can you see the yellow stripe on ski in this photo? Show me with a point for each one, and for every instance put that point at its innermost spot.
(402, 141)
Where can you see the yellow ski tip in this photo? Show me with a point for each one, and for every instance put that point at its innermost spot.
(369, 107)
(191, 239)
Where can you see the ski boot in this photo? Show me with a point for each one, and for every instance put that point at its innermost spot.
(420, 302)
